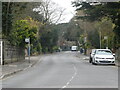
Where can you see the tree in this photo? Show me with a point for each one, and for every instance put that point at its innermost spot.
(12, 11)
(22, 10)
(49, 38)
(22, 20)
(73, 31)
(96, 11)
(50, 11)
(6, 18)
(23, 29)
(94, 38)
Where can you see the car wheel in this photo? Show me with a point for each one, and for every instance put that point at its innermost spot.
(93, 63)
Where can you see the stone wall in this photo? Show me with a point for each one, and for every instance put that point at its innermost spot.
(12, 53)
(117, 54)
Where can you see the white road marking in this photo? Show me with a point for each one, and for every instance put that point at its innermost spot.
(75, 73)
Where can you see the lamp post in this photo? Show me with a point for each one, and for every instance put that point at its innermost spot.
(100, 39)
(106, 38)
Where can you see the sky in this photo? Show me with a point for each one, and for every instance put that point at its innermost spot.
(69, 10)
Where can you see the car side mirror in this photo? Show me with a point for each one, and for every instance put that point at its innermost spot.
(93, 53)
(113, 54)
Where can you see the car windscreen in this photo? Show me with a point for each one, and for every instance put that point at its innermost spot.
(93, 51)
(104, 52)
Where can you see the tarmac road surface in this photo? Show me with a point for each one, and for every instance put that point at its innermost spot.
(64, 70)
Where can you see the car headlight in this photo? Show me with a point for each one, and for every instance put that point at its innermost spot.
(111, 58)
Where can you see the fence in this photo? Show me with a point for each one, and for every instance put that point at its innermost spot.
(10, 53)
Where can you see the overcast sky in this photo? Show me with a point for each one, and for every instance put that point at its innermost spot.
(69, 10)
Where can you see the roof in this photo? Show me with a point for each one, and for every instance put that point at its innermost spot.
(103, 49)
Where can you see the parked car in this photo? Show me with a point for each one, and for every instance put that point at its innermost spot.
(74, 48)
(103, 56)
(91, 55)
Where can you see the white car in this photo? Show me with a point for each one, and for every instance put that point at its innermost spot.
(74, 48)
(103, 56)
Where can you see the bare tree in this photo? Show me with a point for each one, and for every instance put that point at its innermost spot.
(50, 11)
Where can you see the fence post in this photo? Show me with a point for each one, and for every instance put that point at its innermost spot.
(1, 53)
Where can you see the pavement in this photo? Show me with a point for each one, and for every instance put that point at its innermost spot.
(12, 68)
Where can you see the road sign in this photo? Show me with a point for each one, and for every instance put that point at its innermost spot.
(105, 37)
(85, 39)
(27, 40)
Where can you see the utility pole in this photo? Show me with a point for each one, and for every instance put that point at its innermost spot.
(29, 49)
(107, 43)
(85, 36)
(100, 37)
(106, 38)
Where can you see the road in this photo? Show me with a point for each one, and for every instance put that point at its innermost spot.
(65, 70)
